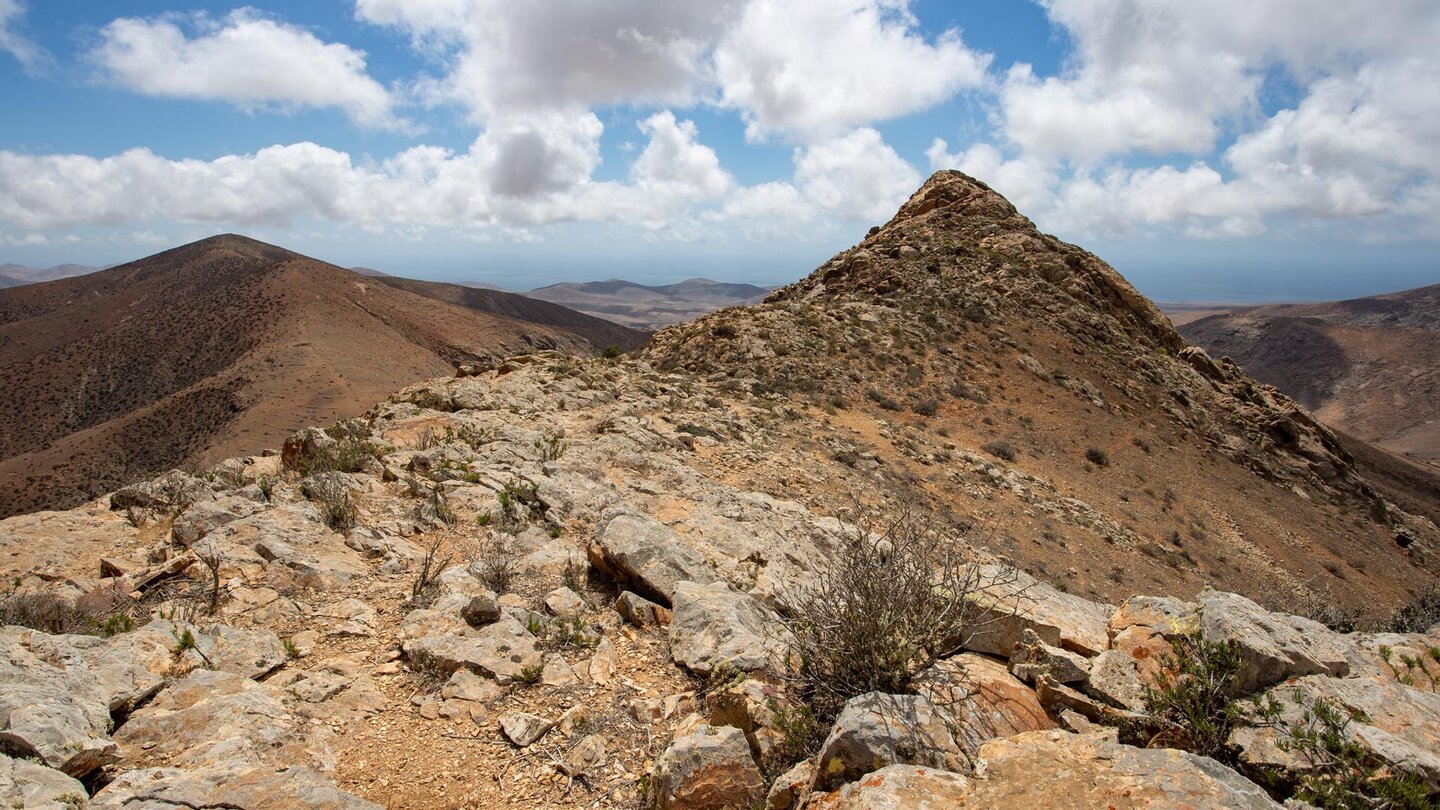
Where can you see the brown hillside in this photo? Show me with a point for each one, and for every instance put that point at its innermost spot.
(1137, 463)
(219, 347)
(1367, 365)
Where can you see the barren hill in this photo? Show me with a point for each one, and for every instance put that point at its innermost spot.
(223, 346)
(649, 306)
(768, 560)
(1368, 366)
(14, 275)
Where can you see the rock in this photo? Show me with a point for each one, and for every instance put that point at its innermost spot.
(640, 611)
(1057, 769)
(980, 700)
(1058, 699)
(304, 642)
(899, 787)
(126, 670)
(714, 626)
(564, 603)
(28, 785)
(171, 492)
(481, 610)
(206, 718)
(350, 617)
(303, 445)
(603, 663)
(1008, 602)
(502, 650)
(466, 685)
(56, 713)
(1115, 679)
(876, 729)
(709, 768)
(524, 729)
(790, 789)
(226, 785)
(645, 554)
(1400, 725)
(1273, 646)
(1033, 658)
(1141, 628)
(584, 756)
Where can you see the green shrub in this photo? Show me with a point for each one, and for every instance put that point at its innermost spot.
(1191, 700)
(1341, 773)
(1419, 614)
(1096, 456)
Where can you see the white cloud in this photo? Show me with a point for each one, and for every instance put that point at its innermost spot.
(814, 68)
(246, 60)
(30, 55)
(502, 56)
(855, 176)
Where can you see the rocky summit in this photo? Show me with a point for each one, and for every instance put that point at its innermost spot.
(556, 581)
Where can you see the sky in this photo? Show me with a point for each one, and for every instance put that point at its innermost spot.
(1228, 150)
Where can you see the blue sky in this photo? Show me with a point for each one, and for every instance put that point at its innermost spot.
(1225, 150)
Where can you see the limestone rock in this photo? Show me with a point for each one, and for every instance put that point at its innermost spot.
(227, 785)
(1115, 679)
(204, 719)
(980, 701)
(1273, 646)
(501, 650)
(482, 609)
(57, 714)
(564, 603)
(876, 729)
(1141, 628)
(584, 756)
(714, 625)
(1008, 602)
(1033, 658)
(647, 555)
(29, 785)
(789, 790)
(523, 728)
(709, 768)
(640, 611)
(899, 787)
(1057, 769)
(1400, 724)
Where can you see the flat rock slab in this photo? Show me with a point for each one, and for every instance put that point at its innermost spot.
(1057, 769)
(1008, 602)
(1273, 646)
(204, 719)
(647, 555)
(502, 650)
(524, 729)
(1401, 725)
(56, 713)
(227, 786)
(29, 785)
(714, 625)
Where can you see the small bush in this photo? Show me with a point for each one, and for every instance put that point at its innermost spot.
(496, 566)
(351, 447)
(879, 398)
(1000, 449)
(611, 352)
(925, 407)
(724, 330)
(1096, 456)
(890, 604)
(333, 498)
(48, 613)
(1419, 614)
(847, 457)
(1191, 699)
(1342, 773)
(432, 565)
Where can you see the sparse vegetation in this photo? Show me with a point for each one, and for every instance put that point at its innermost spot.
(1000, 449)
(1419, 614)
(1342, 773)
(1192, 701)
(497, 565)
(333, 498)
(348, 452)
(879, 398)
(432, 565)
(1096, 456)
(890, 604)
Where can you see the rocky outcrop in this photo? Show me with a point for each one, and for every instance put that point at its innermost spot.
(707, 769)
(1273, 646)
(875, 730)
(714, 626)
(648, 555)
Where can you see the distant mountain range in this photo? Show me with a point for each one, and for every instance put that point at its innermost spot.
(650, 307)
(1369, 366)
(223, 347)
(14, 275)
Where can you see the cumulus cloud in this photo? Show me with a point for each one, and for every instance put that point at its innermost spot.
(502, 56)
(815, 68)
(246, 60)
(30, 55)
(856, 176)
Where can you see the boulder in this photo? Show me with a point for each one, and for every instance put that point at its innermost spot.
(481, 610)
(1273, 646)
(171, 492)
(709, 768)
(876, 729)
(1007, 602)
(502, 650)
(32, 786)
(647, 556)
(714, 625)
(980, 700)
(1398, 724)
(1057, 769)
(789, 790)
(584, 756)
(899, 787)
(564, 603)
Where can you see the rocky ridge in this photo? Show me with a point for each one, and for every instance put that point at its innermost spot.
(624, 538)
